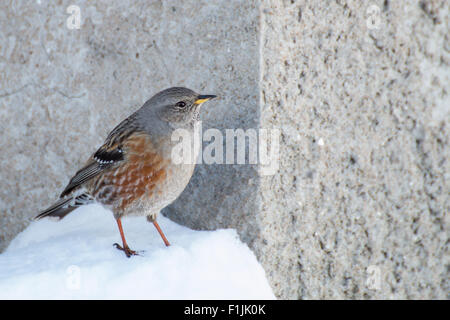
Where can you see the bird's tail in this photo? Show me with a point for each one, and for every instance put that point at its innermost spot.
(64, 206)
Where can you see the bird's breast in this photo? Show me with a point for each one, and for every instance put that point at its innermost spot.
(146, 181)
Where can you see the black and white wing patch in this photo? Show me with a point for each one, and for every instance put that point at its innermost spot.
(103, 159)
(104, 156)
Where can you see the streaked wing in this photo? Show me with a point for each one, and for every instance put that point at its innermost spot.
(122, 131)
(83, 175)
(107, 156)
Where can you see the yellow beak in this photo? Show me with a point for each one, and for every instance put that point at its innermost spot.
(203, 98)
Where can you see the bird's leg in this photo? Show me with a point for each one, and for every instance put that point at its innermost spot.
(166, 242)
(125, 247)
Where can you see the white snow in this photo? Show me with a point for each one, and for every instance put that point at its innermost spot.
(75, 259)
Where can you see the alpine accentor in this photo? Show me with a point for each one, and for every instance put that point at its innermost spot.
(132, 173)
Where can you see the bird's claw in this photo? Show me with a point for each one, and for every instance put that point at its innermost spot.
(126, 249)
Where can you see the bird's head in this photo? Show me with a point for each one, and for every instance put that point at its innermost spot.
(178, 106)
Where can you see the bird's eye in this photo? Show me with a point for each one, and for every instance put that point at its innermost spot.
(181, 104)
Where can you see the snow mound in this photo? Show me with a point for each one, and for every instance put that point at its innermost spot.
(75, 259)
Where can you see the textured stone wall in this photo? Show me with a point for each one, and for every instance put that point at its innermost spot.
(359, 207)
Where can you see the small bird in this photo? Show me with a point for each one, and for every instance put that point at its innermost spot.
(132, 173)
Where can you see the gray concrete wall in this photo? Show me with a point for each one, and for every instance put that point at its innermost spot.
(359, 207)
